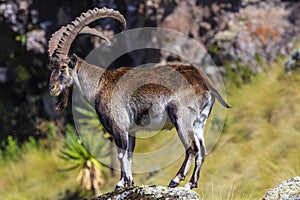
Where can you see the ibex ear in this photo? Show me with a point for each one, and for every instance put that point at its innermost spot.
(73, 60)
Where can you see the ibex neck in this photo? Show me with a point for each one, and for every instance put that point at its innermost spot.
(86, 77)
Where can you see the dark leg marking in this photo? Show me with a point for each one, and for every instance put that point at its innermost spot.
(131, 145)
(122, 145)
(189, 155)
(199, 159)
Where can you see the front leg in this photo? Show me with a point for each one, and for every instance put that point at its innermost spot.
(117, 126)
(125, 176)
(131, 145)
(123, 145)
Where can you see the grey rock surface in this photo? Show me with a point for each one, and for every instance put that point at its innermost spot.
(150, 192)
(294, 61)
(286, 190)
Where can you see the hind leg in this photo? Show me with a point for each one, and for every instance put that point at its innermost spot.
(198, 129)
(181, 174)
(187, 139)
(199, 159)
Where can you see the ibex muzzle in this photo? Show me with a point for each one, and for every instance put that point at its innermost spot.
(61, 76)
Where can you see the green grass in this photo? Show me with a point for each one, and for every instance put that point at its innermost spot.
(258, 148)
(36, 175)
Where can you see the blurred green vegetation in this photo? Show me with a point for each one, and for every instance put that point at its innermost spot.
(40, 164)
(78, 157)
(240, 74)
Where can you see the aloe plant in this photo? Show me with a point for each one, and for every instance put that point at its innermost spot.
(93, 135)
(79, 157)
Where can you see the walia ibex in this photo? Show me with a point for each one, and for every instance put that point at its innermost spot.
(187, 101)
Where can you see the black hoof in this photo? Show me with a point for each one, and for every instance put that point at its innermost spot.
(173, 184)
(132, 184)
(118, 187)
(194, 185)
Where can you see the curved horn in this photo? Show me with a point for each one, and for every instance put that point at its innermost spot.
(95, 32)
(54, 40)
(60, 47)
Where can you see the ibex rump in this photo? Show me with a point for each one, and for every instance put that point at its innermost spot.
(187, 111)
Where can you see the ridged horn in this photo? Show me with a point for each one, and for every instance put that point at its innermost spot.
(95, 32)
(60, 47)
(54, 40)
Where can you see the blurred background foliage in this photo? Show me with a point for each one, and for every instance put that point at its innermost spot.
(249, 40)
(26, 25)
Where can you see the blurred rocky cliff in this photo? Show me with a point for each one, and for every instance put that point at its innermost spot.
(238, 34)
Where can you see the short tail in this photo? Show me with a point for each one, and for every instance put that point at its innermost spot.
(216, 94)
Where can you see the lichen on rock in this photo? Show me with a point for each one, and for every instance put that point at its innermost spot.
(147, 192)
(286, 190)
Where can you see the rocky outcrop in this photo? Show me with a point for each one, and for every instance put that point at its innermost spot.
(249, 32)
(294, 61)
(150, 192)
(286, 190)
(259, 32)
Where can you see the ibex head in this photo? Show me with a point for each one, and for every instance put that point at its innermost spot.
(59, 45)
